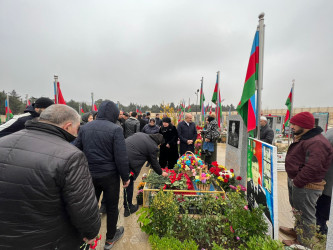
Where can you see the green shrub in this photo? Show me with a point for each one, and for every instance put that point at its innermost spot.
(263, 243)
(171, 243)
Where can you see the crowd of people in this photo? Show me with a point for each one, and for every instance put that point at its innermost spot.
(55, 165)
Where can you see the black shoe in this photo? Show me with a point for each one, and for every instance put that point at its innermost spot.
(102, 210)
(132, 210)
(109, 243)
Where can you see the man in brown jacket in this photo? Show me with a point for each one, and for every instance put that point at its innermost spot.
(307, 161)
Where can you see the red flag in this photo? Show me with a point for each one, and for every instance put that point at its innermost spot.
(61, 99)
(95, 107)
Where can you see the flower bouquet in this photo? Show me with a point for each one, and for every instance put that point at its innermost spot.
(224, 178)
(188, 161)
(197, 146)
(139, 196)
(202, 180)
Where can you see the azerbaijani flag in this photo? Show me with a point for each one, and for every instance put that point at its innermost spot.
(95, 107)
(61, 99)
(189, 108)
(218, 108)
(9, 114)
(247, 106)
(288, 104)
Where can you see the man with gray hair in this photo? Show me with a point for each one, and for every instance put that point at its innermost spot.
(47, 198)
(187, 134)
(266, 133)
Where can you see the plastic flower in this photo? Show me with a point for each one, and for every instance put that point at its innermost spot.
(231, 170)
(203, 175)
(246, 207)
(203, 181)
(232, 187)
(238, 178)
(197, 177)
(225, 180)
(242, 188)
(237, 238)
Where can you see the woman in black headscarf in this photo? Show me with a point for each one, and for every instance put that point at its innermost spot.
(169, 149)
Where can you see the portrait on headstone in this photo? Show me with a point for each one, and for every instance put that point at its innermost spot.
(233, 133)
(270, 122)
(267, 169)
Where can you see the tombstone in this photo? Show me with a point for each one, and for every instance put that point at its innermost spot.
(329, 243)
(236, 151)
(321, 120)
(279, 124)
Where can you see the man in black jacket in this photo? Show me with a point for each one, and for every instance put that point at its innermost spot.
(103, 143)
(266, 133)
(47, 198)
(17, 122)
(140, 148)
(187, 134)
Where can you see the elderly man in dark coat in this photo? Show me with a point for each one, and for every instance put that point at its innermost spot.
(266, 133)
(103, 143)
(187, 134)
(47, 198)
(140, 148)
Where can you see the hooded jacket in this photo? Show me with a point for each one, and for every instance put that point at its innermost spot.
(308, 160)
(132, 126)
(103, 143)
(17, 122)
(141, 148)
(47, 199)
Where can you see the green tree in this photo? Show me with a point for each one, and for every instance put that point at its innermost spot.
(75, 105)
(15, 103)
(2, 102)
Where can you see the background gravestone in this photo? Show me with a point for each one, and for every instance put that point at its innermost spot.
(279, 123)
(236, 152)
(321, 120)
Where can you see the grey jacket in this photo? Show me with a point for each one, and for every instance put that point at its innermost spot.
(132, 126)
(329, 175)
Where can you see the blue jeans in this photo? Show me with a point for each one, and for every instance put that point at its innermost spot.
(208, 146)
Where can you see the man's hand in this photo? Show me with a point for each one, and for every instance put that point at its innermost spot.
(207, 140)
(168, 146)
(165, 174)
(125, 184)
(89, 242)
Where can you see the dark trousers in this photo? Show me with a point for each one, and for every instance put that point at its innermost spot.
(110, 186)
(168, 156)
(128, 194)
(323, 212)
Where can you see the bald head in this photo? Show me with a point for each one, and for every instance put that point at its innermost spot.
(188, 117)
(61, 116)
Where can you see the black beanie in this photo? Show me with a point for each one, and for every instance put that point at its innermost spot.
(43, 103)
(158, 138)
(210, 118)
(166, 119)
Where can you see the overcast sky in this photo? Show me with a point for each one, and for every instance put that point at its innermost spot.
(147, 52)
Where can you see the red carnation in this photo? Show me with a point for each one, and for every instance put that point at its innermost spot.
(238, 178)
(214, 163)
(231, 170)
(227, 176)
(225, 180)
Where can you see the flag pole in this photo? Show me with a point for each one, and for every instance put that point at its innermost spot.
(7, 114)
(92, 101)
(55, 89)
(291, 108)
(26, 100)
(260, 70)
(201, 100)
(217, 109)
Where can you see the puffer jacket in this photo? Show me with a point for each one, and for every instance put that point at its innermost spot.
(47, 199)
(17, 122)
(132, 126)
(140, 148)
(103, 143)
(308, 160)
(150, 129)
